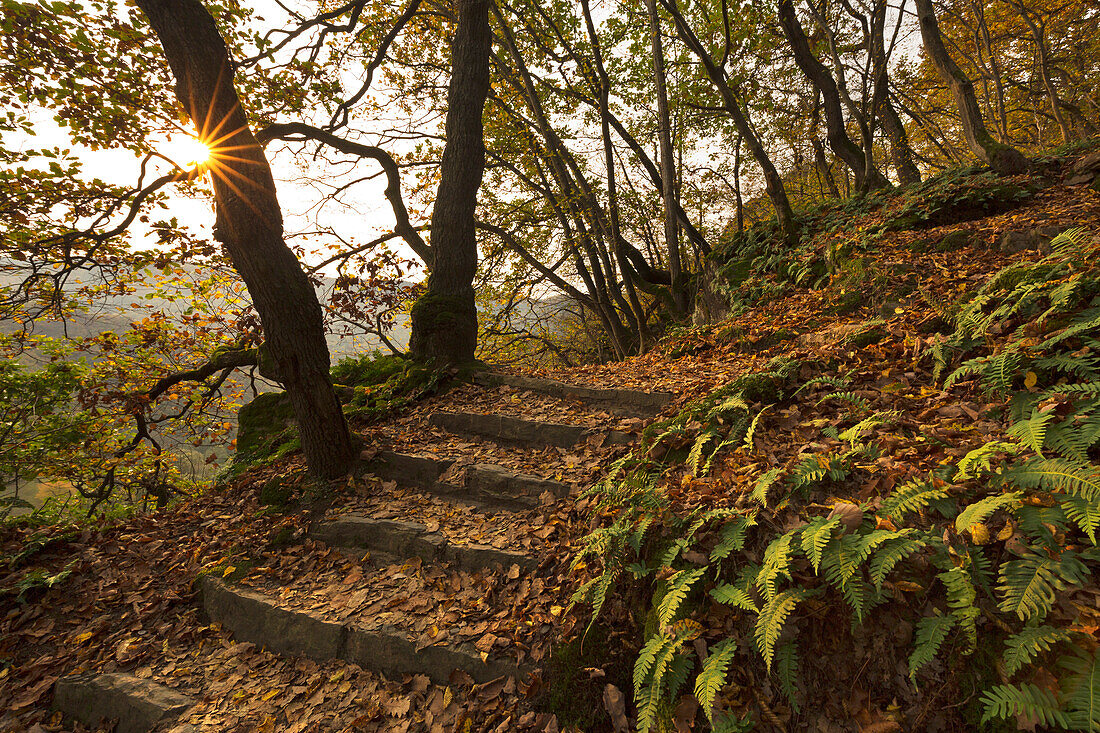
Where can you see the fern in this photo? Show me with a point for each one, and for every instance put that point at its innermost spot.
(763, 484)
(930, 634)
(912, 496)
(834, 382)
(840, 564)
(961, 599)
(860, 429)
(1028, 585)
(978, 511)
(980, 460)
(1005, 702)
(695, 455)
(891, 553)
(1065, 477)
(1033, 431)
(786, 669)
(1021, 648)
(679, 585)
(712, 675)
(1081, 691)
(850, 397)
(750, 434)
(772, 617)
(815, 536)
(732, 595)
(732, 537)
(777, 560)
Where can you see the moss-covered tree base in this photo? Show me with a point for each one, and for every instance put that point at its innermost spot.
(444, 328)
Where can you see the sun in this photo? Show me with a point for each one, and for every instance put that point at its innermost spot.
(186, 151)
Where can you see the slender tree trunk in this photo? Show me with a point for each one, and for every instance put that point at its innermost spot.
(444, 319)
(668, 165)
(1001, 158)
(773, 182)
(737, 186)
(867, 177)
(901, 154)
(249, 225)
(823, 167)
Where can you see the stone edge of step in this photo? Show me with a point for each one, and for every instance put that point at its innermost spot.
(401, 539)
(517, 431)
(138, 704)
(630, 402)
(484, 483)
(257, 618)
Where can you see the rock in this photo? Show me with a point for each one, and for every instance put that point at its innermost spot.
(498, 485)
(395, 540)
(139, 705)
(1012, 242)
(954, 240)
(257, 618)
(1087, 164)
(515, 431)
(626, 402)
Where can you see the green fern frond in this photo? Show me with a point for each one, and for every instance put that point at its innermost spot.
(1032, 432)
(912, 496)
(786, 670)
(763, 484)
(712, 675)
(980, 460)
(679, 585)
(1006, 702)
(858, 431)
(850, 397)
(815, 536)
(1021, 648)
(750, 434)
(930, 634)
(961, 599)
(834, 382)
(1028, 585)
(979, 510)
(776, 564)
(769, 625)
(1081, 690)
(839, 564)
(732, 537)
(890, 555)
(731, 595)
(695, 455)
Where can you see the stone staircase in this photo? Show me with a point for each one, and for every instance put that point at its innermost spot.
(373, 615)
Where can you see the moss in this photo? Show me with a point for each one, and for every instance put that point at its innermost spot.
(573, 694)
(264, 424)
(871, 334)
(276, 492)
(284, 537)
(231, 570)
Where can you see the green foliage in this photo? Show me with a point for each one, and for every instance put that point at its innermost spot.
(1030, 642)
(930, 634)
(954, 196)
(712, 675)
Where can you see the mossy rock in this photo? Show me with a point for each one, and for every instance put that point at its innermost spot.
(574, 695)
(846, 303)
(762, 388)
(264, 425)
(955, 240)
(276, 492)
(870, 335)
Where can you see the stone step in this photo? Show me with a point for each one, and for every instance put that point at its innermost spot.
(515, 431)
(393, 540)
(626, 402)
(139, 705)
(257, 618)
(482, 483)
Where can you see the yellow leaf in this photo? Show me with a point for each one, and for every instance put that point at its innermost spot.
(1031, 380)
(81, 638)
(979, 533)
(229, 571)
(270, 694)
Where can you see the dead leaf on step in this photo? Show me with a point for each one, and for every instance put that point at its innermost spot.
(683, 717)
(615, 705)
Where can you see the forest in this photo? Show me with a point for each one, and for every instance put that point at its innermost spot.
(473, 365)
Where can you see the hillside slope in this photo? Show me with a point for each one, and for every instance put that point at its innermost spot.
(818, 533)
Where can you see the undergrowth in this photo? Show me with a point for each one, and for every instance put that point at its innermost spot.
(989, 547)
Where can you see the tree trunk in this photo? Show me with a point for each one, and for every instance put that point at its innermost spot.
(249, 225)
(901, 155)
(668, 165)
(1001, 158)
(867, 177)
(773, 182)
(444, 319)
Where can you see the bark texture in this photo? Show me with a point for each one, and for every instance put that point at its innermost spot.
(444, 319)
(867, 176)
(1001, 158)
(249, 225)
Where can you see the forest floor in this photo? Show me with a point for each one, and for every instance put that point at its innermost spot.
(124, 595)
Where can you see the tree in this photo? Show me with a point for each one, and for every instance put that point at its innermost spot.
(249, 225)
(1001, 158)
(444, 318)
